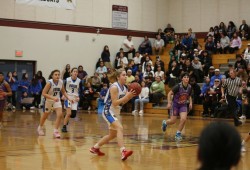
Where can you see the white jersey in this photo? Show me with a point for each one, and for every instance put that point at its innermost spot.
(72, 86)
(55, 88)
(122, 90)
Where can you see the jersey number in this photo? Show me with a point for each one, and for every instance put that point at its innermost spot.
(73, 90)
(55, 94)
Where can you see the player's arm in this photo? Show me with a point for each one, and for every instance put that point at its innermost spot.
(190, 103)
(66, 95)
(114, 96)
(9, 91)
(169, 99)
(45, 92)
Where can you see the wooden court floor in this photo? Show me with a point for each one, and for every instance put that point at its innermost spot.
(22, 149)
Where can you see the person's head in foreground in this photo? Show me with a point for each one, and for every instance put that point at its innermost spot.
(219, 147)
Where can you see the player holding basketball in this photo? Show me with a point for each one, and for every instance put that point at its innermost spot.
(5, 91)
(72, 87)
(51, 92)
(179, 106)
(117, 95)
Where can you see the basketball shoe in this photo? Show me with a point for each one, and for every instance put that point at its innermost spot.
(126, 154)
(164, 126)
(96, 151)
(56, 134)
(178, 136)
(64, 129)
(40, 131)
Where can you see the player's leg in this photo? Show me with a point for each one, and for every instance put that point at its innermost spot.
(2, 104)
(174, 112)
(183, 118)
(46, 111)
(67, 106)
(59, 116)
(245, 140)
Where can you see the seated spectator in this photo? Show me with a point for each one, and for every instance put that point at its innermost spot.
(198, 72)
(26, 102)
(128, 47)
(101, 69)
(196, 91)
(96, 82)
(172, 76)
(230, 67)
(210, 33)
(188, 68)
(169, 33)
(145, 46)
(148, 82)
(132, 66)
(219, 147)
(130, 77)
(82, 75)
(146, 63)
(160, 73)
(212, 98)
(102, 95)
(157, 91)
(231, 29)
(177, 48)
(247, 53)
(159, 62)
(191, 33)
(240, 62)
(196, 45)
(235, 43)
(137, 79)
(122, 60)
(244, 31)
(203, 95)
(224, 44)
(158, 45)
(162, 35)
(105, 80)
(187, 42)
(143, 98)
(35, 88)
(241, 73)
(210, 46)
(137, 58)
(217, 75)
(88, 95)
(98, 63)
(106, 56)
(148, 70)
(211, 71)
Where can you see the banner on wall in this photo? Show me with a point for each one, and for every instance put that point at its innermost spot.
(66, 4)
(119, 16)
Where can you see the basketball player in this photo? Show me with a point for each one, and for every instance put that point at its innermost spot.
(179, 106)
(51, 92)
(5, 91)
(117, 95)
(72, 87)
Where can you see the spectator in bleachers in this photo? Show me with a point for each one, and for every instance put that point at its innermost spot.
(111, 75)
(231, 29)
(145, 46)
(148, 82)
(210, 33)
(105, 79)
(128, 47)
(137, 58)
(160, 73)
(210, 45)
(240, 61)
(195, 54)
(98, 63)
(158, 45)
(203, 95)
(169, 33)
(139, 73)
(122, 60)
(224, 44)
(147, 62)
(223, 78)
(230, 67)
(159, 62)
(66, 72)
(222, 27)
(187, 42)
(244, 31)
(217, 75)
(211, 71)
(103, 93)
(198, 71)
(235, 43)
(196, 45)
(217, 32)
(106, 56)
(101, 69)
(118, 54)
(162, 36)
(82, 75)
(196, 91)
(182, 61)
(96, 82)
(172, 75)
(121, 65)
(88, 95)
(147, 71)
(35, 89)
(13, 82)
(142, 99)
(130, 77)
(132, 67)
(206, 62)
(188, 68)
(43, 83)
(191, 33)
(241, 73)
(137, 79)
(14, 74)
(24, 83)
(157, 91)
(151, 76)
(247, 53)
(177, 48)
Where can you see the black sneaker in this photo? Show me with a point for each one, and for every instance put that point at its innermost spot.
(64, 129)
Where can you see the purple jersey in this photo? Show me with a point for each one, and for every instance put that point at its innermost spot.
(3, 88)
(181, 93)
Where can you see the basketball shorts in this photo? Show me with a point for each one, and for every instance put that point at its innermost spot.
(50, 105)
(178, 108)
(2, 105)
(72, 106)
(110, 117)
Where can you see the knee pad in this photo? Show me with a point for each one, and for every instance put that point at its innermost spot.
(73, 114)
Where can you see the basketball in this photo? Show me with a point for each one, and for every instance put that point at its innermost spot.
(136, 87)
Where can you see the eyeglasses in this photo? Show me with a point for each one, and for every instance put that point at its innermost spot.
(216, 81)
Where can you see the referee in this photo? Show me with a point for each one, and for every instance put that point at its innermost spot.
(232, 87)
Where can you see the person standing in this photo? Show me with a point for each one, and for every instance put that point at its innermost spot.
(117, 95)
(72, 87)
(5, 90)
(51, 92)
(231, 88)
(179, 106)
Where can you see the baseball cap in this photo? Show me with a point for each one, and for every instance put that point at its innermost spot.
(217, 70)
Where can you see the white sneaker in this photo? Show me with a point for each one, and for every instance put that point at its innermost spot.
(57, 134)
(141, 112)
(40, 131)
(13, 108)
(24, 108)
(134, 112)
(89, 108)
(243, 148)
(32, 108)
(242, 117)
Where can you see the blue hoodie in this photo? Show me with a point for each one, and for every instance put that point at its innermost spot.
(204, 88)
(25, 83)
(35, 89)
(13, 85)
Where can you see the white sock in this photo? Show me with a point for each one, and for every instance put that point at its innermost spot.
(243, 142)
(97, 146)
(55, 130)
(122, 148)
